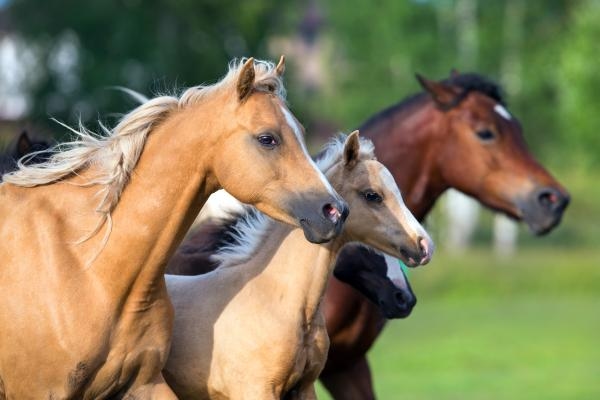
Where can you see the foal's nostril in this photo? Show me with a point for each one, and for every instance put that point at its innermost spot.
(399, 296)
(405, 299)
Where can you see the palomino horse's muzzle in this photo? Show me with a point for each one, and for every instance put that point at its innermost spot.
(327, 223)
(542, 210)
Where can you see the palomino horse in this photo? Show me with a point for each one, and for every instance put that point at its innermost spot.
(383, 282)
(85, 236)
(253, 328)
(22, 146)
(457, 134)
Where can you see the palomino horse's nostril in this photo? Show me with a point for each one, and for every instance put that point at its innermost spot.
(331, 213)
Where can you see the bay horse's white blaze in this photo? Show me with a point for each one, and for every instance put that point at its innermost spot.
(394, 272)
(254, 327)
(502, 111)
(72, 332)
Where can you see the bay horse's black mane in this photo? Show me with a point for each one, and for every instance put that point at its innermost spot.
(472, 82)
(468, 82)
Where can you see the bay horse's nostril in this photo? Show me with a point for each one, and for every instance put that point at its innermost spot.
(552, 200)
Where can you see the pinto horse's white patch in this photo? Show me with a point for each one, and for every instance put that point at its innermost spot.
(499, 108)
(395, 273)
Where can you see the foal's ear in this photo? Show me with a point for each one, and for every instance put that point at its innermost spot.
(23, 144)
(351, 150)
(444, 95)
(280, 69)
(245, 83)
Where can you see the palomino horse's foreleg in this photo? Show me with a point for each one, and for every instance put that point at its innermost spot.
(352, 383)
(157, 390)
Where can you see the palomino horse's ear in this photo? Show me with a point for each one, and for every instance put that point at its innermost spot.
(351, 150)
(23, 144)
(280, 69)
(245, 83)
(446, 96)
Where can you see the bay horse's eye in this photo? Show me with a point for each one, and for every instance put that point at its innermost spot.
(372, 197)
(267, 140)
(485, 135)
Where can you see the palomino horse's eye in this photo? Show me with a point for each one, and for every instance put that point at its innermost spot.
(372, 197)
(268, 141)
(485, 135)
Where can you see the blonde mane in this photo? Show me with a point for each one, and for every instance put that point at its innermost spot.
(116, 151)
(250, 227)
(333, 151)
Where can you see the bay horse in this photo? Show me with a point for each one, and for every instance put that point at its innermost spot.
(253, 328)
(456, 134)
(24, 145)
(85, 235)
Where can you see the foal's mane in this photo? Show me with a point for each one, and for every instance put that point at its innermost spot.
(468, 82)
(247, 229)
(115, 152)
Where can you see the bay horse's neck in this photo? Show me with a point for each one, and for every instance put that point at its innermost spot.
(406, 137)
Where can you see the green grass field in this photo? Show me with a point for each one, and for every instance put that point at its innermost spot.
(488, 328)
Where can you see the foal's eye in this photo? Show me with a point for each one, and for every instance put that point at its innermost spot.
(267, 140)
(486, 135)
(372, 197)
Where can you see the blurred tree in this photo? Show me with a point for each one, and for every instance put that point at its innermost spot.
(579, 83)
(85, 47)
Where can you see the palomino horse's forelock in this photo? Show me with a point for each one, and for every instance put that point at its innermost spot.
(116, 151)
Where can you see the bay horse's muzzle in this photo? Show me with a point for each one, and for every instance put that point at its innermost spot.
(542, 210)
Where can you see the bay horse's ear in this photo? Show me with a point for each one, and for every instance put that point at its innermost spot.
(445, 96)
(23, 144)
(454, 73)
(245, 83)
(280, 69)
(351, 150)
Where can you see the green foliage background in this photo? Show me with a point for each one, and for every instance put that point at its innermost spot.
(484, 328)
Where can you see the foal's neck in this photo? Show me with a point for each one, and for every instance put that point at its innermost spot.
(295, 272)
(406, 142)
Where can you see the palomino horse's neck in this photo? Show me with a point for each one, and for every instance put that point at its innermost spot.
(406, 140)
(292, 270)
(166, 190)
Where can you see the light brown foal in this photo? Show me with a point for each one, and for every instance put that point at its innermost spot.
(254, 328)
